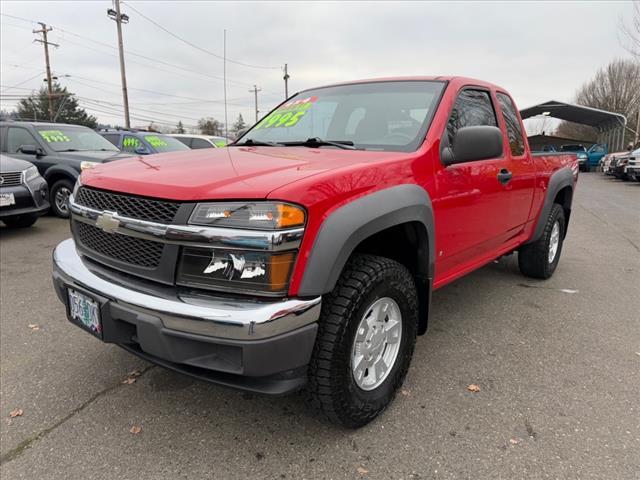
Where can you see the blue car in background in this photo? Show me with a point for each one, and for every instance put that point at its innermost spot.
(587, 159)
(142, 142)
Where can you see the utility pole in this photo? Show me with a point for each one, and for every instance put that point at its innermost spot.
(286, 81)
(224, 74)
(46, 44)
(121, 18)
(637, 139)
(255, 91)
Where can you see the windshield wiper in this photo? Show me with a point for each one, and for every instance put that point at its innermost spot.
(317, 142)
(259, 143)
(69, 150)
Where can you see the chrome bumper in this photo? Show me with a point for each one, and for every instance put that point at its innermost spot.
(190, 312)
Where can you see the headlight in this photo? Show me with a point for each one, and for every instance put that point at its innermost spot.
(236, 271)
(30, 173)
(86, 165)
(254, 215)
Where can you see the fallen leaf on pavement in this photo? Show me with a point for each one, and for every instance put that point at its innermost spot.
(473, 388)
(135, 430)
(405, 392)
(16, 413)
(362, 470)
(129, 380)
(34, 327)
(134, 373)
(514, 441)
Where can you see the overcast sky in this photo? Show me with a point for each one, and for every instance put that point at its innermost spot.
(538, 51)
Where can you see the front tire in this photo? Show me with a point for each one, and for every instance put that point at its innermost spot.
(366, 337)
(540, 258)
(59, 197)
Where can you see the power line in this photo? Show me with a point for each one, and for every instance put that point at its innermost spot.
(128, 52)
(24, 81)
(204, 50)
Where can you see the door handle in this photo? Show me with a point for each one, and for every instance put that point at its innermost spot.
(504, 176)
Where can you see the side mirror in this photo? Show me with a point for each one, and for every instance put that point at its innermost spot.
(473, 143)
(31, 150)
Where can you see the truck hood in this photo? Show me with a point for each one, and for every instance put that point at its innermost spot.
(221, 173)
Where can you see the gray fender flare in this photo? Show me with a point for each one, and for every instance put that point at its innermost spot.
(352, 223)
(559, 179)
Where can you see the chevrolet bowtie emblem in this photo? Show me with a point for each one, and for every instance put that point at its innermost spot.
(107, 222)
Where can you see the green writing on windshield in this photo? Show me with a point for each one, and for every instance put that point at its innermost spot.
(155, 141)
(130, 142)
(287, 115)
(51, 136)
(220, 143)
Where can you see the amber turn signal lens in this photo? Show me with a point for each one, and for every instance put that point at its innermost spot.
(289, 215)
(280, 271)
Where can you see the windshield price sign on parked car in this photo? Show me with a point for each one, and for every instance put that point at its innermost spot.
(288, 114)
(51, 136)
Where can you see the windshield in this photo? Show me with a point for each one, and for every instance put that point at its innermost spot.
(164, 143)
(573, 148)
(66, 138)
(390, 116)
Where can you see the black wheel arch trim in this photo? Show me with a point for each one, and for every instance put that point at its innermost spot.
(561, 178)
(345, 228)
(60, 171)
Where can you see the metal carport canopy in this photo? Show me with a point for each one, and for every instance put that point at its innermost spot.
(610, 125)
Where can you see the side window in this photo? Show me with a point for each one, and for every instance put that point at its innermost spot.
(3, 141)
(18, 137)
(516, 141)
(130, 143)
(112, 137)
(200, 143)
(472, 108)
(185, 140)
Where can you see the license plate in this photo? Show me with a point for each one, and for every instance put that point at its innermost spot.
(85, 311)
(7, 199)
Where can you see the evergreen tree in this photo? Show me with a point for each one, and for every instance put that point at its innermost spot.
(65, 108)
(239, 125)
(179, 128)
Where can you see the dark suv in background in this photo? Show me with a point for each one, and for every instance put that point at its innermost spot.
(59, 152)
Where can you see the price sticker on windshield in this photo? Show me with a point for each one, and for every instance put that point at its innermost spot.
(155, 141)
(289, 114)
(53, 136)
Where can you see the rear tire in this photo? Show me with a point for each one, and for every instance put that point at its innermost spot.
(540, 258)
(367, 281)
(20, 221)
(59, 197)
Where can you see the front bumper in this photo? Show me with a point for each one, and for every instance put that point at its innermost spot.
(29, 199)
(243, 343)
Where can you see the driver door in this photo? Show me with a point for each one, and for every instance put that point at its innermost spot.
(471, 209)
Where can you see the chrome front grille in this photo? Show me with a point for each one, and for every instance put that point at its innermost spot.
(131, 250)
(10, 179)
(159, 211)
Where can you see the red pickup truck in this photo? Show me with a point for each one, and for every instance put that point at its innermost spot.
(304, 254)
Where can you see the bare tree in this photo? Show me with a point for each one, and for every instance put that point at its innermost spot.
(630, 31)
(615, 88)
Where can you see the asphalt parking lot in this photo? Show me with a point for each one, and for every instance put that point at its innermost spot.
(557, 362)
